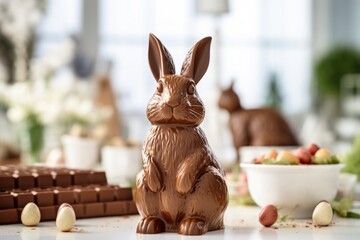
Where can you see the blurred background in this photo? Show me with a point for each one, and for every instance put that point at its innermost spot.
(80, 68)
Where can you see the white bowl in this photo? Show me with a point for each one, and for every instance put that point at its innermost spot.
(121, 164)
(294, 189)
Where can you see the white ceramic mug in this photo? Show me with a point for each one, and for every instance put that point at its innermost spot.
(81, 153)
(121, 164)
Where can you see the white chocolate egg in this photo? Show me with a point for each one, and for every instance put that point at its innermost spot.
(30, 215)
(323, 214)
(65, 219)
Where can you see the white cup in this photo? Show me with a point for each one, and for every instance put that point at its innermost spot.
(121, 164)
(79, 152)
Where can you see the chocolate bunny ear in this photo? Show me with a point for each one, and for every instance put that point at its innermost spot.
(232, 84)
(197, 60)
(160, 60)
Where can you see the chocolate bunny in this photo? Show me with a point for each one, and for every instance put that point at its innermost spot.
(255, 127)
(181, 187)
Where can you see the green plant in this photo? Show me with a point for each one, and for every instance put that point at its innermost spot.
(331, 67)
(273, 98)
(352, 159)
(342, 207)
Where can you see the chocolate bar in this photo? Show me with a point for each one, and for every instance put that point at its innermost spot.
(86, 191)
(42, 177)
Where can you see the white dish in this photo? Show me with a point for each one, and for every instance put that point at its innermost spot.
(294, 189)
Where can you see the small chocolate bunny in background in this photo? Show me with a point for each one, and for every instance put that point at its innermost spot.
(181, 187)
(255, 127)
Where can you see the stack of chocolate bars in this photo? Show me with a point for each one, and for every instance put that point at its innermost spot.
(87, 191)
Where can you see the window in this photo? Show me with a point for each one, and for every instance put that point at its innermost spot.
(62, 19)
(258, 38)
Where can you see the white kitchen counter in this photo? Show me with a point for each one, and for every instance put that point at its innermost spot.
(240, 223)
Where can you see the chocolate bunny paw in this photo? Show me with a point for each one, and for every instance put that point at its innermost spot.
(153, 174)
(184, 183)
(154, 178)
(193, 226)
(150, 225)
(187, 173)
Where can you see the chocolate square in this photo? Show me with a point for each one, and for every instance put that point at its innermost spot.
(9, 216)
(7, 182)
(6, 201)
(64, 196)
(123, 194)
(85, 195)
(48, 213)
(94, 210)
(79, 210)
(24, 180)
(43, 180)
(105, 194)
(98, 178)
(44, 198)
(131, 208)
(115, 208)
(62, 179)
(22, 198)
(80, 177)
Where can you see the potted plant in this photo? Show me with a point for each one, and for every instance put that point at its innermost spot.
(329, 70)
(82, 143)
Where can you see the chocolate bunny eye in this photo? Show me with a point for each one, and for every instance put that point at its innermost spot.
(160, 87)
(191, 89)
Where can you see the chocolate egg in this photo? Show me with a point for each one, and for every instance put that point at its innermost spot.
(65, 219)
(268, 215)
(30, 215)
(323, 214)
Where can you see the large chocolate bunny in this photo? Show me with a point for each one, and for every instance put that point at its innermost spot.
(181, 187)
(255, 127)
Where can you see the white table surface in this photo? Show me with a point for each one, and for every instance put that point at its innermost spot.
(240, 223)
